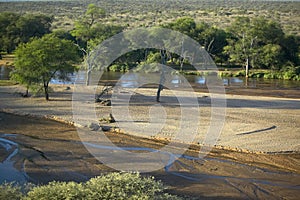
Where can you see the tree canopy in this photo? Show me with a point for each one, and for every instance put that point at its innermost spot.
(16, 29)
(42, 59)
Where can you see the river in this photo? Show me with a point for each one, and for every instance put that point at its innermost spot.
(195, 80)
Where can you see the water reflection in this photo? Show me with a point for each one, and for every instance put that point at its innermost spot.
(8, 171)
(4, 72)
(129, 80)
(132, 79)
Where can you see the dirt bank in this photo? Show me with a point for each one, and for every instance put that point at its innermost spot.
(254, 123)
(50, 150)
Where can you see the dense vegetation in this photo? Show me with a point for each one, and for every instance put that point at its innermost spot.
(135, 13)
(111, 186)
(42, 59)
(253, 35)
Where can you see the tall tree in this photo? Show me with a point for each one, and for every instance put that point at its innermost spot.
(15, 29)
(83, 29)
(90, 32)
(9, 33)
(32, 25)
(40, 60)
(254, 42)
(240, 47)
(214, 40)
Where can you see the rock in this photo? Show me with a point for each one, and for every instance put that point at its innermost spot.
(111, 118)
(105, 128)
(93, 126)
(107, 103)
(97, 100)
(117, 130)
(68, 88)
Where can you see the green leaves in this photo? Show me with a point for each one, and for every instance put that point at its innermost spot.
(256, 40)
(118, 186)
(40, 60)
(15, 29)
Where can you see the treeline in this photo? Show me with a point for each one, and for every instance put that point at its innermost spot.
(256, 43)
(16, 29)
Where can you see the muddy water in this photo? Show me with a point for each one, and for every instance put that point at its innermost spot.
(41, 151)
(235, 85)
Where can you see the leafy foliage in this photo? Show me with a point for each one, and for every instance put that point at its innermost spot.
(110, 186)
(40, 60)
(10, 191)
(16, 29)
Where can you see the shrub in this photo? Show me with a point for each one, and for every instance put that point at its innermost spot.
(110, 186)
(57, 190)
(10, 191)
(239, 73)
(118, 68)
(125, 186)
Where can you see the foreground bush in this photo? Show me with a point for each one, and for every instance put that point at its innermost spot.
(110, 186)
(9, 191)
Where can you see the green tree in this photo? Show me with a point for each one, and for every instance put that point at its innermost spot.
(15, 29)
(84, 27)
(185, 25)
(42, 59)
(8, 31)
(90, 32)
(255, 43)
(240, 46)
(291, 49)
(270, 56)
(214, 40)
(32, 25)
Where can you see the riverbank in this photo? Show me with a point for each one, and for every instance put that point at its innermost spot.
(50, 150)
(252, 123)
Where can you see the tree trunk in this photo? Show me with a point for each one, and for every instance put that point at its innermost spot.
(26, 93)
(88, 76)
(162, 75)
(160, 88)
(46, 90)
(247, 67)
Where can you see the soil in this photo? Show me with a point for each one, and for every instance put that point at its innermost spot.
(256, 155)
(50, 150)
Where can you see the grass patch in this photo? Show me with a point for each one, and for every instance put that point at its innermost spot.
(7, 83)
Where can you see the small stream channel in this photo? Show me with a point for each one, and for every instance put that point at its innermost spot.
(9, 173)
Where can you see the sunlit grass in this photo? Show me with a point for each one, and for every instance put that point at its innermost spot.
(7, 83)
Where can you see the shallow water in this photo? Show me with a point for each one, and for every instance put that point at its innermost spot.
(130, 80)
(182, 166)
(8, 173)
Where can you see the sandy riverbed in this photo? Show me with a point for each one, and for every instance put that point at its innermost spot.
(254, 123)
(50, 150)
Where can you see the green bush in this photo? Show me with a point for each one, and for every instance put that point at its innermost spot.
(239, 74)
(119, 68)
(291, 73)
(9, 191)
(225, 74)
(111, 186)
(125, 186)
(58, 190)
